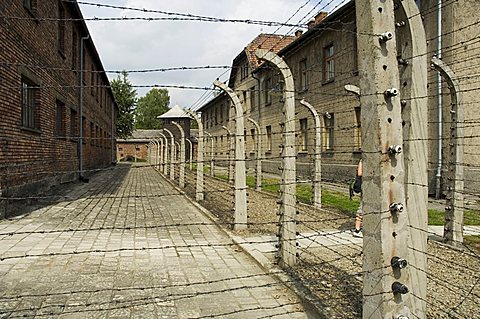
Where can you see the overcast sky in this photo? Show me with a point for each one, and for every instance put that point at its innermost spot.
(134, 45)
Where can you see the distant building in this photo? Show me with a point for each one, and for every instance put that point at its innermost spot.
(41, 140)
(135, 148)
(324, 59)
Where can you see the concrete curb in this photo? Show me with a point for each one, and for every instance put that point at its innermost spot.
(309, 301)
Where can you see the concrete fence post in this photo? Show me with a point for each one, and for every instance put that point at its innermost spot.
(453, 229)
(181, 178)
(258, 169)
(172, 154)
(212, 164)
(199, 191)
(288, 248)
(240, 216)
(387, 282)
(231, 152)
(190, 145)
(317, 179)
(165, 154)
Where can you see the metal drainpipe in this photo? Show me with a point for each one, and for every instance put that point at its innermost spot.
(80, 111)
(438, 183)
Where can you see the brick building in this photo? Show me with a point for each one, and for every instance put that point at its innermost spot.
(43, 101)
(136, 147)
(323, 60)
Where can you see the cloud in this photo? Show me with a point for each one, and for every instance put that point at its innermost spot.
(134, 45)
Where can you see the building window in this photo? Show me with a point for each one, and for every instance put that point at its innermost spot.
(30, 5)
(252, 133)
(84, 129)
(304, 134)
(267, 87)
(60, 127)
(252, 99)
(303, 75)
(329, 121)
(97, 136)
(243, 72)
(61, 28)
(74, 51)
(92, 80)
(92, 133)
(221, 113)
(328, 63)
(30, 101)
(358, 128)
(269, 138)
(73, 123)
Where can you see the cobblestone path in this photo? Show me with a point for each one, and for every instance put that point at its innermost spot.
(128, 245)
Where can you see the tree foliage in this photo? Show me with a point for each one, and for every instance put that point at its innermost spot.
(126, 97)
(153, 104)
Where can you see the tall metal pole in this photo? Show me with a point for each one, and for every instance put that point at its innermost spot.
(386, 280)
(181, 179)
(212, 168)
(231, 151)
(317, 179)
(172, 154)
(190, 153)
(199, 192)
(288, 248)
(453, 229)
(160, 153)
(258, 170)
(240, 217)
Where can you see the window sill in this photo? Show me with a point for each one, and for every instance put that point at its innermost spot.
(304, 90)
(358, 151)
(328, 81)
(61, 53)
(31, 130)
(32, 14)
(303, 153)
(329, 151)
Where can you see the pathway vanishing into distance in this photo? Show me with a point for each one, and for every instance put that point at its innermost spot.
(128, 245)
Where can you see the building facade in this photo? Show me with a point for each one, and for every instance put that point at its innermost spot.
(323, 60)
(54, 126)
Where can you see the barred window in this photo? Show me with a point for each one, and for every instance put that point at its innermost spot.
(30, 101)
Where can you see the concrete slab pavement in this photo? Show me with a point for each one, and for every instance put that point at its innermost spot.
(128, 245)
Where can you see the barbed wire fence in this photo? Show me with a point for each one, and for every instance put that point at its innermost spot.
(333, 271)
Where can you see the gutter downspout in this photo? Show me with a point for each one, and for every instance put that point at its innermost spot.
(438, 181)
(80, 111)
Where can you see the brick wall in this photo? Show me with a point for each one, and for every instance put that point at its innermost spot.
(131, 150)
(44, 54)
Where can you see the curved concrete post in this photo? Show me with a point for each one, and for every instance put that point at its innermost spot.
(231, 151)
(240, 218)
(181, 179)
(172, 154)
(453, 229)
(413, 66)
(155, 153)
(288, 248)
(258, 170)
(199, 192)
(160, 153)
(190, 145)
(212, 168)
(150, 157)
(317, 179)
(164, 154)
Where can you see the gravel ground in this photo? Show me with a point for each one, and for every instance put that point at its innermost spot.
(334, 274)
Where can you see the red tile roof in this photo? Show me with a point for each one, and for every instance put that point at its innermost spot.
(272, 42)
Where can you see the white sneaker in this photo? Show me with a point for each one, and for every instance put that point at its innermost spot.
(357, 233)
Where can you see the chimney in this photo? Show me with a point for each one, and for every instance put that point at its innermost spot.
(320, 16)
(310, 24)
(298, 33)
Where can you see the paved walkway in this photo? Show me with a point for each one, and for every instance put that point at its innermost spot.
(128, 245)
